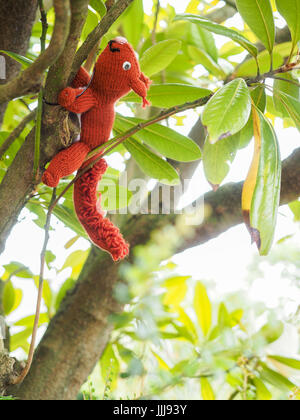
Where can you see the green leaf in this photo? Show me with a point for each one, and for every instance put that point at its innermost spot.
(16, 269)
(203, 39)
(293, 363)
(99, 6)
(270, 332)
(29, 321)
(201, 57)
(176, 290)
(223, 317)
(249, 67)
(75, 261)
(275, 378)
(227, 111)
(26, 62)
(287, 88)
(66, 214)
(295, 207)
(110, 367)
(18, 299)
(20, 340)
(290, 10)
(151, 164)
(291, 105)
(206, 390)
(259, 17)
(163, 139)
(8, 297)
(203, 308)
(262, 392)
(159, 56)
(217, 158)
(265, 201)
(220, 30)
(133, 21)
(170, 94)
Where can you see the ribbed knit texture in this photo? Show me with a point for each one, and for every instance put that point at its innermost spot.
(113, 79)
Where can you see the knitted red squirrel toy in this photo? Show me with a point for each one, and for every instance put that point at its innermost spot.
(117, 71)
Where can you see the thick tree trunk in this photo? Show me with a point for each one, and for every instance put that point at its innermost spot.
(16, 20)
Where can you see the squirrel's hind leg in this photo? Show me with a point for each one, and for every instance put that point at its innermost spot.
(65, 163)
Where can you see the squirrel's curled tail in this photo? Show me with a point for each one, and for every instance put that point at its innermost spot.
(100, 229)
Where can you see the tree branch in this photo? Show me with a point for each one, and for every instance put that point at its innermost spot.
(104, 25)
(16, 21)
(30, 79)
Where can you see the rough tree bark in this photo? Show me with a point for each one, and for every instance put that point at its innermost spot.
(16, 20)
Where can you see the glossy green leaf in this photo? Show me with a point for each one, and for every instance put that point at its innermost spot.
(220, 30)
(290, 10)
(26, 62)
(249, 67)
(206, 390)
(217, 158)
(258, 15)
(99, 6)
(293, 363)
(16, 269)
(203, 308)
(291, 105)
(166, 141)
(151, 164)
(227, 111)
(262, 392)
(287, 88)
(201, 57)
(203, 39)
(265, 201)
(274, 378)
(132, 22)
(170, 94)
(159, 56)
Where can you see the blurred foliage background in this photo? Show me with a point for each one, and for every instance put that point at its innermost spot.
(177, 338)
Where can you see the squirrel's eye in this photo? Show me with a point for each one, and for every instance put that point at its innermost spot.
(126, 66)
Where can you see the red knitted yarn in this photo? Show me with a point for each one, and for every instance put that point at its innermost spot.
(117, 71)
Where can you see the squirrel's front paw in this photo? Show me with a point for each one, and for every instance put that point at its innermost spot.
(67, 97)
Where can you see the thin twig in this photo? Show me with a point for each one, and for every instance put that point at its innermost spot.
(39, 298)
(293, 82)
(270, 74)
(16, 133)
(155, 22)
(39, 112)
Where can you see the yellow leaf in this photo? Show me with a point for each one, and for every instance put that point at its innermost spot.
(206, 390)
(161, 363)
(179, 120)
(192, 7)
(203, 308)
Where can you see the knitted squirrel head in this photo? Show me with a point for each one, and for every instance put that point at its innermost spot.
(117, 71)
